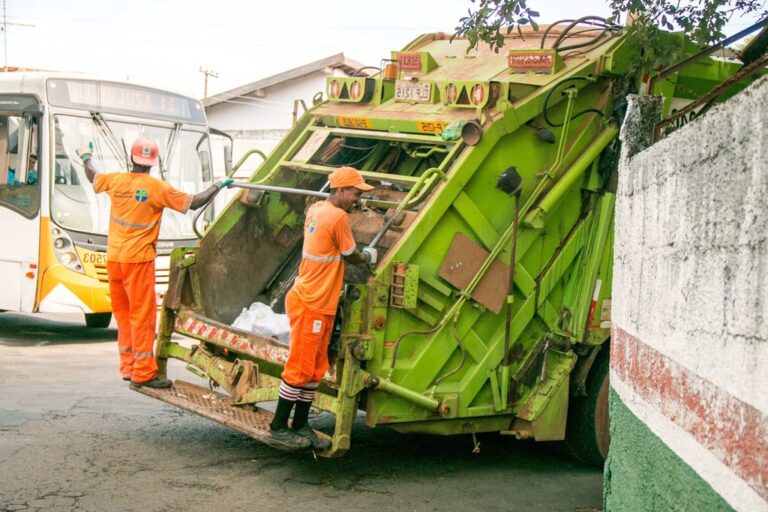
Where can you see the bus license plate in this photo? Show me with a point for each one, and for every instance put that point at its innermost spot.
(413, 91)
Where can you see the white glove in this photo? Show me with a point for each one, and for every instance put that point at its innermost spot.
(85, 152)
(371, 254)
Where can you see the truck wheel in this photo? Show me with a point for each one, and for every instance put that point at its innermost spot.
(587, 434)
(98, 320)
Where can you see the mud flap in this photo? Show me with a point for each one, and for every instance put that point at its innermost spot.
(249, 420)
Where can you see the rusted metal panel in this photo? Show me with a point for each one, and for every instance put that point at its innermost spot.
(215, 406)
(230, 338)
(462, 263)
(249, 420)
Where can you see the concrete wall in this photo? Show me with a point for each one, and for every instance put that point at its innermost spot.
(689, 353)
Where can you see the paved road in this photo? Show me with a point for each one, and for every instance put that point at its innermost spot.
(73, 437)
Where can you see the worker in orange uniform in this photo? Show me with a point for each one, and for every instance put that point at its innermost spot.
(138, 201)
(311, 306)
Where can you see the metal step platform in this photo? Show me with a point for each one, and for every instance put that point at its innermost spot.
(249, 420)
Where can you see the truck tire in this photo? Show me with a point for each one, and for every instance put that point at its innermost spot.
(587, 435)
(98, 320)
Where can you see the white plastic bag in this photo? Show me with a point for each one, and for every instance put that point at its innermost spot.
(260, 319)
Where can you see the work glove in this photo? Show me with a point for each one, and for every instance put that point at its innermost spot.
(224, 183)
(371, 255)
(85, 152)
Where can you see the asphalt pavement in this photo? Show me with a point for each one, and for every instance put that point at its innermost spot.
(73, 437)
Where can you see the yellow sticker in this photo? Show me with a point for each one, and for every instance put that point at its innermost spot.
(430, 126)
(354, 122)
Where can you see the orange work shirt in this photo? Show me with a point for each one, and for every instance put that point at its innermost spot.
(138, 201)
(327, 238)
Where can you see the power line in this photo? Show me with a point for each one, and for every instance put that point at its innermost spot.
(207, 43)
(228, 25)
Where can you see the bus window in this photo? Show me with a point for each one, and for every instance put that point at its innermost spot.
(19, 178)
(74, 204)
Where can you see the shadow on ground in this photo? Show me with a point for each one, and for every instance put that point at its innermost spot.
(20, 330)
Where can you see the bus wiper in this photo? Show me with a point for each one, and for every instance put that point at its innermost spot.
(164, 166)
(118, 150)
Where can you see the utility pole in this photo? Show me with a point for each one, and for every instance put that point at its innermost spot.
(5, 33)
(207, 73)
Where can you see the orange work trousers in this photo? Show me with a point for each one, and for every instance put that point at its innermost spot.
(308, 352)
(132, 287)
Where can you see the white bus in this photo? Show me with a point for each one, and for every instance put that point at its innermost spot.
(54, 227)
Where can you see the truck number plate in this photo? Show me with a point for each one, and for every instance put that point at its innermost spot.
(413, 91)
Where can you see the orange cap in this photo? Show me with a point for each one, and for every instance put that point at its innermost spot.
(144, 152)
(348, 177)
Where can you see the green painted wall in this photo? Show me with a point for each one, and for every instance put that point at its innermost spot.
(643, 474)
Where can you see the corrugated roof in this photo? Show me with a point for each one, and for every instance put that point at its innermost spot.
(338, 61)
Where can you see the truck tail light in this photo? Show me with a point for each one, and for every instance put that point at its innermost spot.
(451, 92)
(334, 89)
(391, 70)
(478, 94)
(355, 91)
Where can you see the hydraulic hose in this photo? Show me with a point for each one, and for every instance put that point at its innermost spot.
(601, 23)
(549, 95)
(564, 33)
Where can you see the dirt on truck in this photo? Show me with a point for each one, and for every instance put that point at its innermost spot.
(489, 309)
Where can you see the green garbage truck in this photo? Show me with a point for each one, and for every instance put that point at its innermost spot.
(489, 309)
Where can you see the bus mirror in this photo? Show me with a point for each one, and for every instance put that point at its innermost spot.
(228, 158)
(205, 165)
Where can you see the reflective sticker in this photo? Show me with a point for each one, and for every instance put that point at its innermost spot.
(430, 126)
(354, 122)
(317, 326)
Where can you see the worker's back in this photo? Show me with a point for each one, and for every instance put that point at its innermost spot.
(138, 201)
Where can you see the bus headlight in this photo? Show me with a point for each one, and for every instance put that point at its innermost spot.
(60, 243)
(65, 250)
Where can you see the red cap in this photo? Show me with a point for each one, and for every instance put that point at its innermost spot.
(348, 177)
(144, 152)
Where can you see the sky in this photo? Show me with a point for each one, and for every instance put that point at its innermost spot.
(164, 43)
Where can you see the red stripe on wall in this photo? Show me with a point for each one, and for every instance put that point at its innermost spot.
(733, 431)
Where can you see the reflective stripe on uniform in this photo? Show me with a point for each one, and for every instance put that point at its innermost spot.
(348, 251)
(131, 225)
(125, 351)
(141, 355)
(320, 259)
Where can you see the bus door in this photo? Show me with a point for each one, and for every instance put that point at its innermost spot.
(19, 201)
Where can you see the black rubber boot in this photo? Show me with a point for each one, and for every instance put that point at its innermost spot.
(282, 413)
(156, 383)
(301, 414)
(318, 443)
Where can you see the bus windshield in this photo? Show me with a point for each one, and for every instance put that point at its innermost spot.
(76, 206)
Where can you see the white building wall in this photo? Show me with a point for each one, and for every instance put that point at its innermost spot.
(257, 122)
(270, 112)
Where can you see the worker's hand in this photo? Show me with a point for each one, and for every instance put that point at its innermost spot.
(371, 255)
(224, 183)
(85, 152)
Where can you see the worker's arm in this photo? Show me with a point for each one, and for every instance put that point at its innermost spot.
(85, 153)
(90, 170)
(367, 255)
(344, 238)
(206, 195)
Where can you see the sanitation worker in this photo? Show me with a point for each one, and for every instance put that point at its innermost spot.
(311, 305)
(138, 201)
